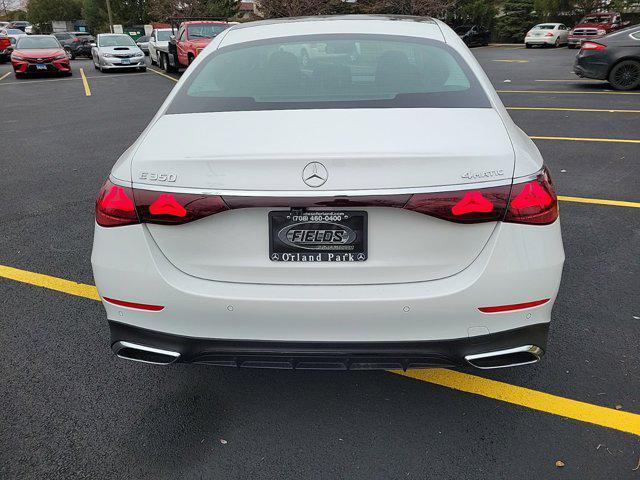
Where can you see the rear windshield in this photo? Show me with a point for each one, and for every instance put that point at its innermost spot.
(330, 71)
(115, 40)
(27, 42)
(206, 30)
(163, 35)
(14, 31)
(544, 27)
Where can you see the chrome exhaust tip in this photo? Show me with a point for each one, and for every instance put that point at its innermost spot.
(511, 357)
(144, 354)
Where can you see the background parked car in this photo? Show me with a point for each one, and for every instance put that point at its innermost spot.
(547, 34)
(615, 58)
(159, 39)
(143, 43)
(5, 48)
(473, 35)
(22, 25)
(39, 54)
(595, 25)
(117, 51)
(13, 34)
(76, 43)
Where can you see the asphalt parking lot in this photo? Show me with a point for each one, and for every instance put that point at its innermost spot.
(73, 410)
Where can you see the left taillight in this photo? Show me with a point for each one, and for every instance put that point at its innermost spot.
(114, 206)
(117, 205)
(590, 46)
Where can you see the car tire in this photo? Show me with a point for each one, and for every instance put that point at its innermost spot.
(527, 45)
(153, 62)
(72, 55)
(557, 43)
(142, 69)
(19, 75)
(625, 75)
(190, 59)
(570, 46)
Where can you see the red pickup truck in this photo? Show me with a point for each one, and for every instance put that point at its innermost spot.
(5, 48)
(595, 25)
(187, 43)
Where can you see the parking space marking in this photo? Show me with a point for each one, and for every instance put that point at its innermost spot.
(563, 109)
(526, 397)
(583, 139)
(87, 90)
(568, 92)
(573, 80)
(107, 75)
(599, 201)
(5, 76)
(504, 392)
(52, 283)
(163, 74)
(512, 61)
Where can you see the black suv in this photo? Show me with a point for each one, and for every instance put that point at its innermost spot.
(75, 43)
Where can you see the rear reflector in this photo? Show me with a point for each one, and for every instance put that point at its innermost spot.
(139, 306)
(530, 202)
(514, 306)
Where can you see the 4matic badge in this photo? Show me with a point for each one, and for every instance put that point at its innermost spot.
(487, 174)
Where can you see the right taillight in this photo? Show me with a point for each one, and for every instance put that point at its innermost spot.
(592, 46)
(533, 202)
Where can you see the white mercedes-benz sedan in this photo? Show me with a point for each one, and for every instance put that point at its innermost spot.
(370, 206)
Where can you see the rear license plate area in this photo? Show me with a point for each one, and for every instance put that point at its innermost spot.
(317, 236)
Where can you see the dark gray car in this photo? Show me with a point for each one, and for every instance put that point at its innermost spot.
(615, 58)
(76, 44)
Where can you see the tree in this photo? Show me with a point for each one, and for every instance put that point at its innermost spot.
(294, 8)
(518, 17)
(473, 12)
(434, 8)
(44, 11)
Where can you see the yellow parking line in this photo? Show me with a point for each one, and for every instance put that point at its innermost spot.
(562, 109)
(505, 392)
(600, 201)
(52, 283)
(87, 90)
(5, 75)
(570, 80)
(582, 139)
(162, 74)
(568, 92)
(533, 399)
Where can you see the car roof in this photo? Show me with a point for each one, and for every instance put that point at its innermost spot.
(402, 25)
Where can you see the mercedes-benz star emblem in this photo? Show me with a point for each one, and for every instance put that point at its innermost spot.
(314, 174)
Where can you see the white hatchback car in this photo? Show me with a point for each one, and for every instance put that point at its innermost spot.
(379, 210)
(549, 34)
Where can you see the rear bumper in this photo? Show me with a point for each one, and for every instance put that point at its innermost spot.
(518, 264)
(540, 40)
(327, 355)
(578, 39)
(591, 66)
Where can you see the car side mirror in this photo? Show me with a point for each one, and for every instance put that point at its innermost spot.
(172, 38)
(152, 39)
(93, 44)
